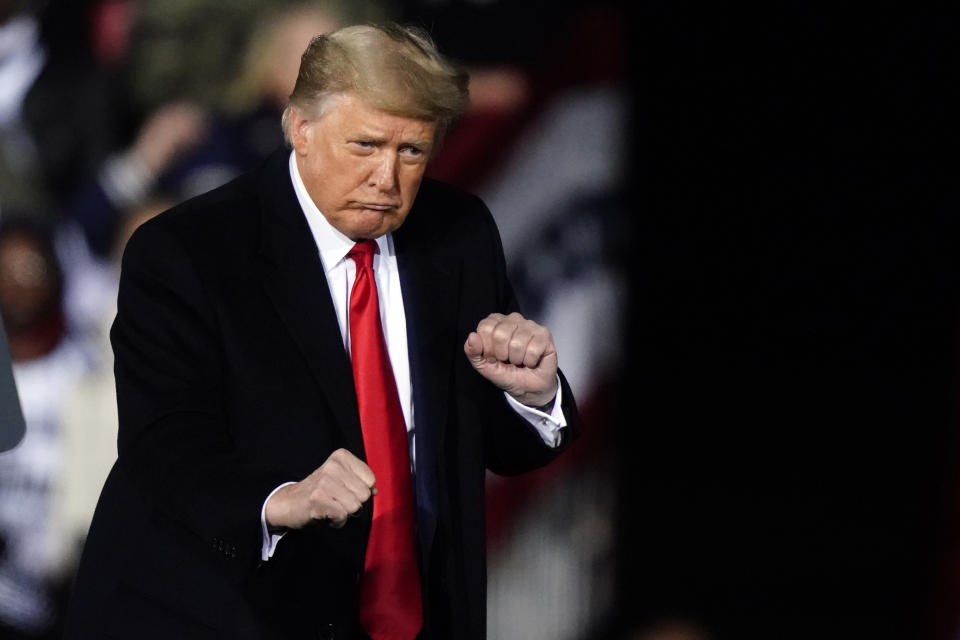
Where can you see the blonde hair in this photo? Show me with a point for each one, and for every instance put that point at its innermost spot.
(393, 68)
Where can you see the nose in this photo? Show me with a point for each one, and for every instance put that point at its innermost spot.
(384, 175)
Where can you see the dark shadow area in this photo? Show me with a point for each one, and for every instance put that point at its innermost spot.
(789, 470)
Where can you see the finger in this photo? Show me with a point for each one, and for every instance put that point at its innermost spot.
(326, 500)
(502, 335)
(337, 515)
(489, 323)
(357, 487)
(485, 330)
(346, 504)
(518, 345)
(541, 343)
(473, 347)
(359, 469)
(330, 489)
(342, 463)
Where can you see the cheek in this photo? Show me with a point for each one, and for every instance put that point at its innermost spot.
(350, 172)
(357, 176)
(410, 181)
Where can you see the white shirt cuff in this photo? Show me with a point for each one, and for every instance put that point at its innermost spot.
(548, 425)
(270, 540)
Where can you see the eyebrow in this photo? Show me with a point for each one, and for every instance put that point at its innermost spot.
(381, 139)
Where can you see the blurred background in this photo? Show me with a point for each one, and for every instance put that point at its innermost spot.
(739, 226)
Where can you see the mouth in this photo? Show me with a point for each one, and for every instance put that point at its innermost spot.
(376, 206)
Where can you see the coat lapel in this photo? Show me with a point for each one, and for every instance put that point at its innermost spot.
(293, 278)
(430, 301)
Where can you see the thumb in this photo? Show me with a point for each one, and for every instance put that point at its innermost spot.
(473, 347)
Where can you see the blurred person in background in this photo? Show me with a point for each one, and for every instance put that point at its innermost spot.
(223, 123)
(244, 129)
(244, 94)
(111, 201)
(47, 362)
(56, 114)
(129, 178)
(62, 115)
(219, 128)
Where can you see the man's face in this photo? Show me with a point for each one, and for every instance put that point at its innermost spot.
(362, 167)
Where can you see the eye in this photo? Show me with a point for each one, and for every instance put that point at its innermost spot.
(363, 145)
(412, 152)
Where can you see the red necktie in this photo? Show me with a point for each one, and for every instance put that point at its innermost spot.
(390, 607)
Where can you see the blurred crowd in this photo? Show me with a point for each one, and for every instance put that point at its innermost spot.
(113, 110)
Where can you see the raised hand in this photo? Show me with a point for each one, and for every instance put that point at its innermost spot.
(516, 355)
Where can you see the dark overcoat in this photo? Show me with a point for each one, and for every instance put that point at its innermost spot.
(232, 378)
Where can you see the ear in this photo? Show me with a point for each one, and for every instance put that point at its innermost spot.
(299, 128)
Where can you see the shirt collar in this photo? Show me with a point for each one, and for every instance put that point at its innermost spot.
(332, 245)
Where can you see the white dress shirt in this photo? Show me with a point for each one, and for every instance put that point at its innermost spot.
(333, 247)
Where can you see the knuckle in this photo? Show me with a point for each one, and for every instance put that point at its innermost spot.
(325, 470)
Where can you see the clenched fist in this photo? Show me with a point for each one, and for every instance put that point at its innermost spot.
(517, 355)
(333, 492)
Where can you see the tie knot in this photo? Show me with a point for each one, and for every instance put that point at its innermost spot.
(362, 253)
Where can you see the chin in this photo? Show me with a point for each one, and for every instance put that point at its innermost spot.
(367, 233)
(374, 231)
(367, 224)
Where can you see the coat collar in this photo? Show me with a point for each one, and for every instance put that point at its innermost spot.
(293, 278)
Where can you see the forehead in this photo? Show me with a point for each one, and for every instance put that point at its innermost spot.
(350, 113)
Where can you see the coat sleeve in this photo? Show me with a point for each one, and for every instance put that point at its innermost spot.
(511, 444)
(174, 444)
